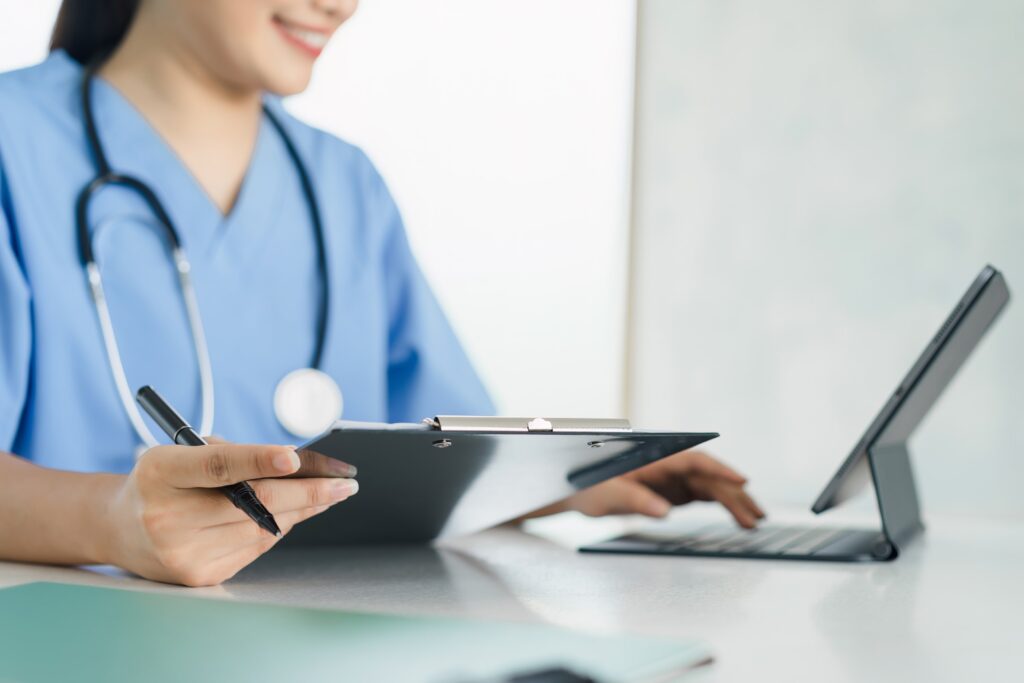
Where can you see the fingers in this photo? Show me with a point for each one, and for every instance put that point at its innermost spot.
(678, 479)
(228, 539)
(697, 462)
(290, 519)
(698, 475)
(751, 505)
(311, 463)
(228, 565)
(644, 501)
(277, 495)
(743, 516)
(220, 464)
(315, 464)
(285, 495)
(742, 507)
(684, 477)
(214, 554)
(620, 497)
(223, 566)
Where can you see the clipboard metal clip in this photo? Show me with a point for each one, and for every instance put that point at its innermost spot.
(539, 425)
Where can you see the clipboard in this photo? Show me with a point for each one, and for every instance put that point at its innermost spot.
(456, 474)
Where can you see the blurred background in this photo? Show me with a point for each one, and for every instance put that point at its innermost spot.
(720, 215)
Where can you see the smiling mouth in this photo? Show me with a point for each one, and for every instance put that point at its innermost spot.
(311, 41)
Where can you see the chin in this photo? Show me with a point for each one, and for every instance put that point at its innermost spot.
(287, 83)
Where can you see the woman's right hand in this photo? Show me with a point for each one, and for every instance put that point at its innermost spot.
(170, 523)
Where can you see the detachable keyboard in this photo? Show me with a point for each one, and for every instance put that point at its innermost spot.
(776, 542)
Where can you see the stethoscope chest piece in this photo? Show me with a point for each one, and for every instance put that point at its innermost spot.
(307, 402)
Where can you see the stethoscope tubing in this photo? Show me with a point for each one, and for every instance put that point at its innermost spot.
(105, 176)
(110, 345)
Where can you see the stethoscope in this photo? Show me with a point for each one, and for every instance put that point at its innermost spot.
(306, 400)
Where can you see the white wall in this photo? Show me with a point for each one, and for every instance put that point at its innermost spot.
(25, 31)
(817, 184)
(504, 131)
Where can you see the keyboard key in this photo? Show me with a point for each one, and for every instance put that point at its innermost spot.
(727, 538)
(778, 543)
(809, 544)
(711, 545)
(665, 539)
(749, 540)
(705, 540)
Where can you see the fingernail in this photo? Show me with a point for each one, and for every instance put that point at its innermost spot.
(343, 488)
(286, 462)
(341, 469)
(657, 507)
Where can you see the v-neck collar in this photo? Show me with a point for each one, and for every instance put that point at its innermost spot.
(134, 147)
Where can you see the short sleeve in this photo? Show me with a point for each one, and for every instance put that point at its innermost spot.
(15, 326)
(429, 372)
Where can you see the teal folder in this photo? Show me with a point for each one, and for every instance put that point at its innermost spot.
(58, 632)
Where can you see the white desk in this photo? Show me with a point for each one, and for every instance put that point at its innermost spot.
(950, 609)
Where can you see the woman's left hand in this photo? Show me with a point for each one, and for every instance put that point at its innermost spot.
(653, 489)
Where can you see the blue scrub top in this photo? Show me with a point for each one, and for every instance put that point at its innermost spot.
(388, 343)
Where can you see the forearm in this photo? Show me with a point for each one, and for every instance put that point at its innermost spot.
(52, 516)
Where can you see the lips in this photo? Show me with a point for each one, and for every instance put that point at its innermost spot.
(310, 40)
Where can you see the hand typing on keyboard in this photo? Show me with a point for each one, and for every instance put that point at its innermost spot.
(675, 480)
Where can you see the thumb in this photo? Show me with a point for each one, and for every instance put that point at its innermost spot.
(627, 497)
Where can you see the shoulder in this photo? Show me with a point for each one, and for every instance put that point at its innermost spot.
(40, 100)
(327, 154)
(42, 89)
(353, 192)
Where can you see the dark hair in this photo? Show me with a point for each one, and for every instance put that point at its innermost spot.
(91, 29)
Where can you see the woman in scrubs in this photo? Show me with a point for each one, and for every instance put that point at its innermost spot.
(178, 103)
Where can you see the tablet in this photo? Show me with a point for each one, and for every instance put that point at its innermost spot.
(455, 475)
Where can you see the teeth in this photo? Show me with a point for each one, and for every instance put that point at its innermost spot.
(312, 38)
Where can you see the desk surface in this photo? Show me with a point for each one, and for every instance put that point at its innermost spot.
(949, 609)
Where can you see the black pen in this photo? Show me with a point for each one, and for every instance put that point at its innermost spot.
(241, 494)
